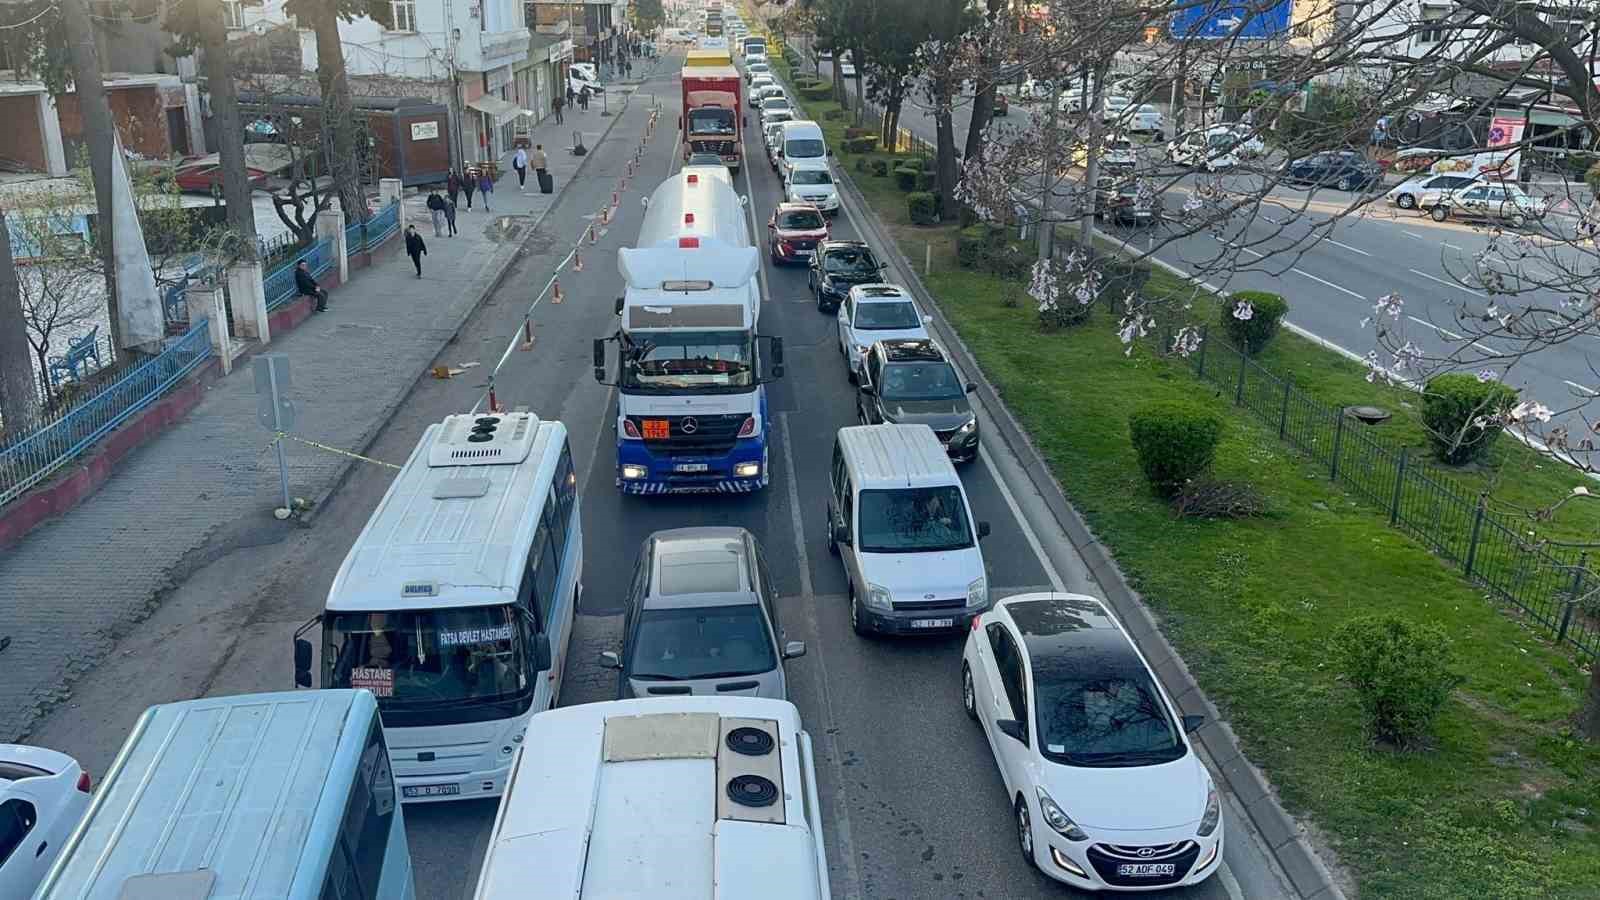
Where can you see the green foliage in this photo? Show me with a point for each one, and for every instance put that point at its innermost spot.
(880, 167)
(1401, 671)
(923, 208)
(648, 14)
(1266, 313)
(855, 132)
(985, 247)
(1591, 177)
(1452, 404)
(864, 144)
(905, 177)
(817, 92)
(1175, 442)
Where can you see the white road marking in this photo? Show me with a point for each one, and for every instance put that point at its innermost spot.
(1414, 234)
(1456, 337)
(1022, 522)
(1229, 883)
(1449, 284)
(1587, 391)
(1347, 247)
(1452, 246)
(1299, 271)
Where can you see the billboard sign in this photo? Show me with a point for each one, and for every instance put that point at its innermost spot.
(1222, 19)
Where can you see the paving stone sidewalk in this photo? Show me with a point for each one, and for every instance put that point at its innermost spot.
(208, 485)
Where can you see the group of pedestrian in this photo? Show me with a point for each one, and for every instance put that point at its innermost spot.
(580, 98)
(538, 159)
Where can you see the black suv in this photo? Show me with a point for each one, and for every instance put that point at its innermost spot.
(913, 383)
(839, 266)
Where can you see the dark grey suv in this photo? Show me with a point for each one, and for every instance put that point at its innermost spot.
(701, 618)
(913, 383)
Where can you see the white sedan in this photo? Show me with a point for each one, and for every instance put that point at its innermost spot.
(43, 796)
(1105, 788)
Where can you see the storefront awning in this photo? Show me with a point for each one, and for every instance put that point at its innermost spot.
(501, 110)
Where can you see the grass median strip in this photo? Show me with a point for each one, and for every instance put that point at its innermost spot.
(1504, 801)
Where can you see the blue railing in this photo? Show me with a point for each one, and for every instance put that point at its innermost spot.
(280, 288)
(355, 238)
(33, 457)
(384, 224)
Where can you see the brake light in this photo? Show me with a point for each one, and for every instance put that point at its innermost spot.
(629, 429)
(692, 243)
(693, 179)
(85, 783)
(688, 218)
(748, 429)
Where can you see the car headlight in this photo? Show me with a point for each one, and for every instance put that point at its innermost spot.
(1213, 816)
(978, 593)
(1059, 821)
(878, 598)
(970, 427)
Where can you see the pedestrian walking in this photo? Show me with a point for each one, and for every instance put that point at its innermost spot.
(307, 286)
(469, 183)
(555, 103)
(519, 161)
(436, 212)
(572, 94)
(541, 168)
(415, 248)
(485, 188)
(450, 215)
(583, 98)
(452, 186)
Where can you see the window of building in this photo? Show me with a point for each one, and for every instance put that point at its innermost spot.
(233, 13)
(1432, 28)
(403, 14)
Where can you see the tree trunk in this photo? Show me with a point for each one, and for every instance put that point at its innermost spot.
(1091, 168)
(98, 132)
(19, 393)
(861, 94)
(229, 130)
(945, 165)
(983, 99)
(338, 115)
(1589, 717)
(838, 79)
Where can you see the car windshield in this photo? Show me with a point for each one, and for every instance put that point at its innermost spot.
(418, 659)
(800, 220)
(883, 316)
(1109, 716)
(850, 262)
(1221, 141)
(920, 381)
(701, 642)
(913, 520)
(811, 176)
(711, 121)
(680, 361)
(774, 104)
(1119, 146)
(803, 148)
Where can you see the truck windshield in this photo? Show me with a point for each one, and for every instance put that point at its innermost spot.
(416, 660)
(687, 362)
(711, 121)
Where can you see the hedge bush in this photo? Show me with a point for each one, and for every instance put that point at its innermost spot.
(862, 144)
(905, 178)
(974, 244)
(1401, 672)
(855, 132)
(1266, 312)
(1451, 403)
(923, 208)
(1592, 178)
(880, 167)
(821, 91)
(924, 181)
(1175, 442)
(830, 115)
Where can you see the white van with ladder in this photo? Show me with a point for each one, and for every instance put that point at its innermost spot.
(666, 798)
(455, 605)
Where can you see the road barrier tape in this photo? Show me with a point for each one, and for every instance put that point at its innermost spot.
(282, 435)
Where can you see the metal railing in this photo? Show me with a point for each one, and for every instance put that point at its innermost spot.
(279, 285)
(362, 236)
(1546, 580)
(31, 458)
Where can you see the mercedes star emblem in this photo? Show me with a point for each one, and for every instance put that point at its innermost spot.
(689, 425)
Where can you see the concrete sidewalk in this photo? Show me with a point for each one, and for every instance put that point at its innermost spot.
(208, 484)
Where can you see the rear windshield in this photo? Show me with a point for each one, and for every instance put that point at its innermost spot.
(701, 642)
(803, 148)
(800, 220)
(886, 316)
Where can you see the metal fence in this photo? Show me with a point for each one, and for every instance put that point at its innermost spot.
(362, 236)
(31, 458)
(280, 286)
(1546, 581)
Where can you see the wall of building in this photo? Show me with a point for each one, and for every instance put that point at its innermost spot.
(138, 112)
(20, 140)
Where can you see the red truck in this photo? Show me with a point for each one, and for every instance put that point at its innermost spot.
(712, 113)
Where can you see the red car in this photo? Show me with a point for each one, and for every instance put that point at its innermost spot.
(794, 231)
(197, 176)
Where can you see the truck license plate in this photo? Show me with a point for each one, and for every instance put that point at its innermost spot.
(657, 429)
(1146, 870)
(689, 467)
(933, 623)
(430, 790)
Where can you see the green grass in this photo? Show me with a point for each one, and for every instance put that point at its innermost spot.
(1503, 803)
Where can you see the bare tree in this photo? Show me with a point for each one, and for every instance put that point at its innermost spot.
(338, 119)
(19, 397)
(99, 134)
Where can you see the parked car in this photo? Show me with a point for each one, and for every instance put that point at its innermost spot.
(1496, 202)
(794, 231)
(839, 266)
(914, 383)
(1036, 89)
(1141, 119)
(875, 312)
(1002, 105)
(1425, 191)
(43, 796)
(702, 614)
(1117, 198)
(847, 65)
(1114, 107)
(1105, 788)
(198, 175)
(812, 182)
(1116, 155)
(1207, 151)
(1345, 169)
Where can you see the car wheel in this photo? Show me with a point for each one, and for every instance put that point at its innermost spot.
(1025, 832)
(1347, 183)
(817, 296)
(969, 695)
(857, 622)
(1406, 201)
(1518, 220)
(1439, 213)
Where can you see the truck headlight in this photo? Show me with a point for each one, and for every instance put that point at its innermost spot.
(747, 470)
(632, 472)
(978, 593)
(1058, 820)
(1213, 815)
(878, 598)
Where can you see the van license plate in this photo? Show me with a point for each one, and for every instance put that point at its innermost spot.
(1146, 870)
(690, 467)
(430, 790)
(933, 623)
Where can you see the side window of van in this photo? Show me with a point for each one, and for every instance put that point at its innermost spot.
(368, 817)
(566, 483)
(542, 559)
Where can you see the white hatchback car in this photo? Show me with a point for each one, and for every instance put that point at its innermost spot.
(877, 312)
(43, 796)
(1106, 790)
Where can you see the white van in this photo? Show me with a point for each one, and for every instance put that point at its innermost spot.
(582, 75)
(801, 140)
(899, 520)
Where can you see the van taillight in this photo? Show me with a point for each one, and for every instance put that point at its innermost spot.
(85, 784)
(748, 429)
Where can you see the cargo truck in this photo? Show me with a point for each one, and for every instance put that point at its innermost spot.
(712, 122)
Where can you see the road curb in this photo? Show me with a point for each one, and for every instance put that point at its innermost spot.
(1285, 839)
(369, 436)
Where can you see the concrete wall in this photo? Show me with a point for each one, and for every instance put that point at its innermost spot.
(140, 116)
(21, 139)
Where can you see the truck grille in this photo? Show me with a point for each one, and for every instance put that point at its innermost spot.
(710, 435)
(722, 148)
(914, 606)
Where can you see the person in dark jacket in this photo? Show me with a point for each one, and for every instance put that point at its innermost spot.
(436, 212)
(308, 287)
(450, 216)
(469, 183)
(555, 104)
(452, 187)
(485, 188)
(415, 248)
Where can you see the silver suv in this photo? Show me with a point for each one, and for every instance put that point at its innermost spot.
(701, 618)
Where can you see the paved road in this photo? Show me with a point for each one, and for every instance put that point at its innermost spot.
(912, 800)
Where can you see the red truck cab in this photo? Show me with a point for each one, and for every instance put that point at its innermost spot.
(713, 119)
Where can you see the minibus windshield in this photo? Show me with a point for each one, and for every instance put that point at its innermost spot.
(420, 659)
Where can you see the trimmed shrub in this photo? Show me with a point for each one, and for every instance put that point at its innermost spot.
(1175, 442)
(855, 132)
(820, 91)
(880, 167)
(924, 181)
(923, 208)
(861, 164)
(860, 144)
(831, 114)
(1265, 312)
(966, 216)
(905, 178)
(1401, 672)
(974, 244)
(1452, 403)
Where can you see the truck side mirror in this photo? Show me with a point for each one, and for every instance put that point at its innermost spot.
(539, 653)
(617, 309)
(302, 663)
(599, 359)
(841, 534)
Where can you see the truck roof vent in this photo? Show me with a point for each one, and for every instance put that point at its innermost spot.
(752, 790)
(693, 179)
(467, 440)
(750, 770)
(749, 741)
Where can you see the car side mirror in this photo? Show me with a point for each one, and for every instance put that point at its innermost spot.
(794, 649)
(1191, 724)
(610, 660)
(539, 654)
(983, 530)
(1013, 729)
(927, 319)
(744, 200)
(302, 663)
(972, 387)
(841, 534)
(868, 389)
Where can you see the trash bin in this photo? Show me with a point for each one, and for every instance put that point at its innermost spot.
(547, 184)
